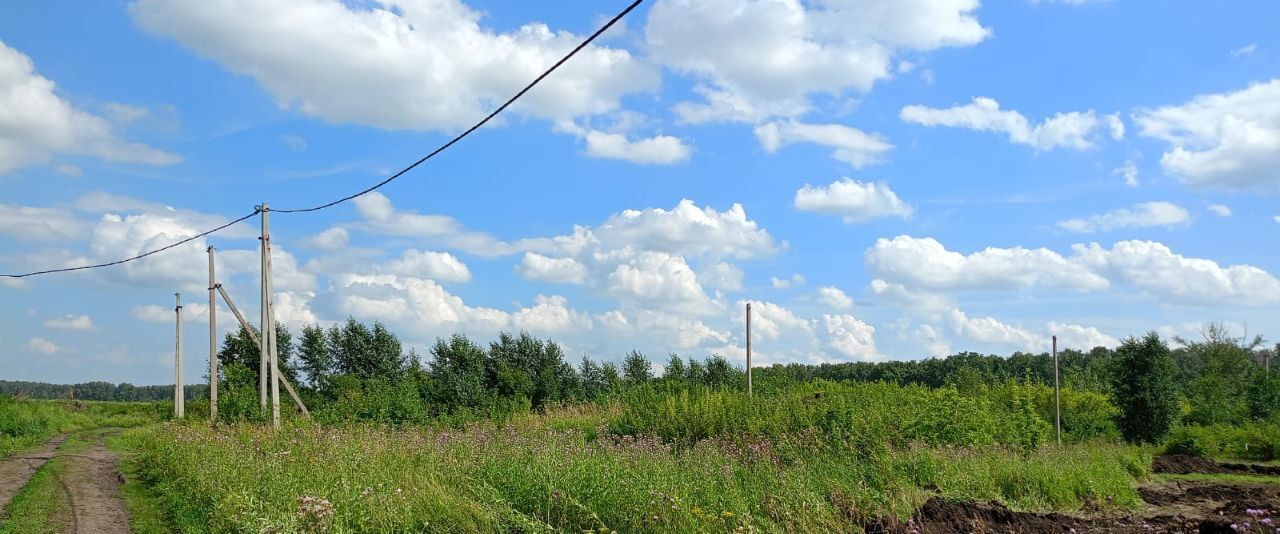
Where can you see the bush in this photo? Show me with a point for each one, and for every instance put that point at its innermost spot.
(1142, 379)
(1251, 441)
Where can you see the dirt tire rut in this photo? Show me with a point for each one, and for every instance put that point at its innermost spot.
(92, 483)
(16, 470)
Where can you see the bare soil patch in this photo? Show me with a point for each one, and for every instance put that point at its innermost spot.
(1174, 506)
(92, 482)
(1181, 464)
(16, 470)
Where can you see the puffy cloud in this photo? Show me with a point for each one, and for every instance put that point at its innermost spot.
(28, 223)
(783, 283)
(70, 322)
(990, 331)
(440, 266)
(331, 239)
(659, 280)
(655, 150)
(850, 336)
(550, 315)
(420, 305)
(1130, 173)
(1071, 336)
(934, 344)
(1220, 210)
(924, 263)
(1116, 125)
(381, 217)
(855, 201)
(1067, 130)
(721, 276)
(834, 298)
(772, 321)
(41, 346)
(909, 269)
(1142, 215)
(687, 230)
(535, 266)
(1153, 267)
(682, 332)
(399, 64)
(36, 124)
(1225, 140)
(853, 146)
(760, 59)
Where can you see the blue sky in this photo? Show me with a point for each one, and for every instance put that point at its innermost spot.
(884, 180)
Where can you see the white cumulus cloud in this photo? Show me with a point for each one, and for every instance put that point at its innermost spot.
(853, 200)
(1142, 215)
(36, 124)
(398, 64)
(852, 146)
(1063, 130)
(1223, 140)
(70, 322)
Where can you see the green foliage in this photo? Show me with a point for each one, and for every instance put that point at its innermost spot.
(1258, 441)
(1144, 389)
(873, 415)
(523, 478)
(26, 423)
(1263, 396)
(636, 369)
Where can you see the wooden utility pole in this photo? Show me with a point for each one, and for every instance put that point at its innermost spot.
(258, 343)
(264, 350)
(1057, 399)
(269, 322)
(749, 349)
(178, 398)
(213, 342)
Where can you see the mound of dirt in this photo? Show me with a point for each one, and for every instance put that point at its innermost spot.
(1206, 507)
(939, 516)
(1182, 464)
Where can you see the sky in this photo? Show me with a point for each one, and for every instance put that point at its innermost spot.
(881, 180)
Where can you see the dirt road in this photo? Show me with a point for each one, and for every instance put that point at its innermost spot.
(89, 499)
(16, 470)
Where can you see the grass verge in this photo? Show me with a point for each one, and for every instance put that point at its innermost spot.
(36, 509)
(146, 509)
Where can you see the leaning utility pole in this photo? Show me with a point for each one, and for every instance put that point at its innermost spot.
(178, 398)
(1057, 399)
(258, 343)
(268, 320)
(748, 349)
(213, 341)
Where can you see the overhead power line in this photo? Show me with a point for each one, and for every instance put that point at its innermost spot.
(256, 210)
(477, 125)
(374, 187)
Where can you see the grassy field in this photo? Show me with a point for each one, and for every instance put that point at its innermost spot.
(26, 423)
(824, 457)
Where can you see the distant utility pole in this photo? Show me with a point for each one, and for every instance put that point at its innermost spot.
(213, 341)
(269, 348)
(178, 398)
(749, 349)
(1057, 399)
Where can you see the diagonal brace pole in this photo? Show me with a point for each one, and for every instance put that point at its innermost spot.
(245, 324)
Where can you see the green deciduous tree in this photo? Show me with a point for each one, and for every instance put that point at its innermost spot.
(1143, 388)
(636, 369)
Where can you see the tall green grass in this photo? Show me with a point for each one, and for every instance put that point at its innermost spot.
(1256, 441)
(823, 457)
(25, 423)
